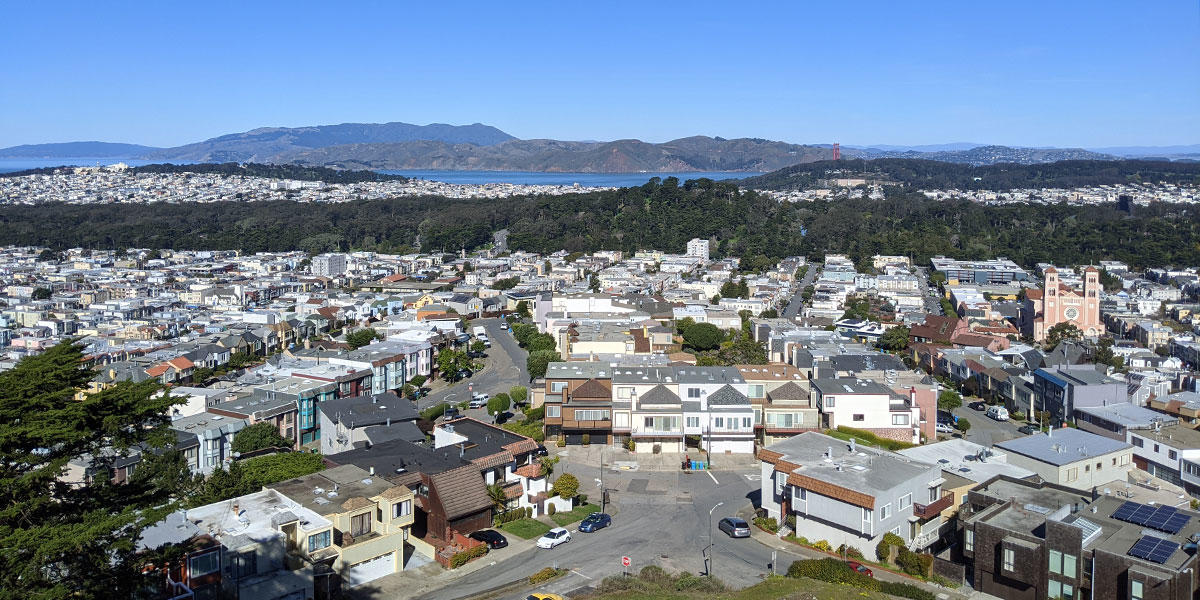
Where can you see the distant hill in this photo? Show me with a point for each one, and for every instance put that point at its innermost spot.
(931, 174)
(76, 150)
(261, 144)
(698, 153)
(993, 155)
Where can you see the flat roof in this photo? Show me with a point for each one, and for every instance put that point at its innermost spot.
(1063, 446)
(1127, 414)
(866, 470)
(336, 486)
(961, 458)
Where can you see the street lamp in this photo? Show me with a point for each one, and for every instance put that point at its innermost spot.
(711, 546)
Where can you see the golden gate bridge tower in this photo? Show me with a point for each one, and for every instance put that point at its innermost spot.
(837, 151)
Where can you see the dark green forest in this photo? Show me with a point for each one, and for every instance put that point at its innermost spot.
(931, 174)
(297, 172)
(660, 215)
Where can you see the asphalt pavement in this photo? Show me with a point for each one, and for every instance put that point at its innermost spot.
(504, 368)
(797, 301)
(985, 430)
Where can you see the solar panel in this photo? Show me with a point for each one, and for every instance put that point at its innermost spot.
(1153, 549)
(1162, 518)
(1125, 510)
(1176, 523)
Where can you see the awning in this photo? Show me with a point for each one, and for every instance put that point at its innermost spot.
(937, 482)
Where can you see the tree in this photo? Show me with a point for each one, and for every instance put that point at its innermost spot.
(359, 338)
(963, 425)
(519, 394)
(566, 486)
(418, 380)
(1061, 332)
(682, 325)
(538, 361)
(949, 400)
(507, 283)
(498, 403)
(49, 255)
(547, 463)
(729, 289)
(594, 283)
(41, 293)
(450, 362)
(498, 497)
(937, 278)
(60, 539)
(703, 336)
(478, 346)
(894, 339)
(259, 436)
(770, 313)
(523, 309)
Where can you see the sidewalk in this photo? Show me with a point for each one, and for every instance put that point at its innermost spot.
(433, 577)
(620, 459)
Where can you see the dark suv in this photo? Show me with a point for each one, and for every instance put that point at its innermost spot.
(491, 538)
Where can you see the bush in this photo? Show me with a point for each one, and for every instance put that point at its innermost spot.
(870, 438)
(545, 575)
(562, 443)
(914, 563)
(550, 510)
(587, 439)
(831, 570)
(767, 523)
(905, 590)
(259, 436)
(433, 412)
(566, 486)
(418, 380)
(631, 445)
(654, 574)
(850, 552)
(467, 556)
(884, 548)
(823, 545)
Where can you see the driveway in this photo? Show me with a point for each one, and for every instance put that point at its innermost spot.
(504, 368)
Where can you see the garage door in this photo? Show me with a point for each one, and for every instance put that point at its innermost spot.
(369, 570)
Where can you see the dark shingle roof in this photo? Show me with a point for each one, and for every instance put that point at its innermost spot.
(659, 394)
(727, 396)
(788, 392)
(592, 389)
(461, 491)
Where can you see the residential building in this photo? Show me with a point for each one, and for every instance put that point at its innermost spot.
(329, 265)
(1071, 457)
(861, 404)
(1062, 389)
(347, 423)
(698, 248)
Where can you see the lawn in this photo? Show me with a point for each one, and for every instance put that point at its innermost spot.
(526, 528)
(576, 514)
(773, 588)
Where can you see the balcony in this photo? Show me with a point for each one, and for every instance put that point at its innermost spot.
(933, 509)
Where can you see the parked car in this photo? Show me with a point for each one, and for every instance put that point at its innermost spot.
(1028, 429)
(857, 566)
(451, 413)
(595, 521)
(978, 405)
(478, 400)
(493, 539)
(541, 451)
(734, 527)
(558, 536)
(538, 596)
(998, 413)
(504, 325)
(945, 428)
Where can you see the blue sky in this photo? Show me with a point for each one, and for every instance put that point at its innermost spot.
(1093, 73)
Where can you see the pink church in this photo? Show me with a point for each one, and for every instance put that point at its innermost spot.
(1059, 303)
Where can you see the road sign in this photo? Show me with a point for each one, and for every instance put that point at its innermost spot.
(625, 562)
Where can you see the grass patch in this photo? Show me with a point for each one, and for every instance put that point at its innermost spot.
(576, 514)
(866, 437)
(772, 588)
(526, 528)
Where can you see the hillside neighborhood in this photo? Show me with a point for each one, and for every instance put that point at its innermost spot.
(367, 425)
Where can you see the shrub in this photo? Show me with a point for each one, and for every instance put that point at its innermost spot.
(831, 570)
(433, 412)
(562, 443)
(790, 521)
(654, 574)
(767, 523)
(850, 552)
(544, 575)
(914, 563)
(822, 545)
(905, 590)
(884, 549)
(587, 439)
(550, 510)
(566, 486)
(658, 448)
(467, 556)
(630, 445)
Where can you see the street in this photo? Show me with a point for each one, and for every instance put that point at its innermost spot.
(505, 369)
(797, 301)
(984, 430)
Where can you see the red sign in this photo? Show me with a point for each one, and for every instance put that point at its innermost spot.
(625, 562)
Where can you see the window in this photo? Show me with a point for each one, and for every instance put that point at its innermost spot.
(969, 540)
(204, 564)
(1137, 441)
(885, 511)
(422, 490)
(693, 421)
(1171, 454)
(246, 564)
(780, 481)
(553, 410)
(1056, 562)
(693, 392)
(556, 387)
(745, 422)
(719, 422)
(360, 524)
(1073, 474)
(904, 502)
(591, 415)
(1156, 448)
(756, 390)
(828, 401)
(1070, 565)
(860, 417)
(1009, 559)
(1135, 590)
(1125, 459)
(624, 393)
(402, 509)
(1059, 590)
(662, 423)
(899, 419)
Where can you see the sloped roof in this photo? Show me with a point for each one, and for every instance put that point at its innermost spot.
(592, 389)
(659, 394)
(787, 392)
(461, 491)
(727, 396)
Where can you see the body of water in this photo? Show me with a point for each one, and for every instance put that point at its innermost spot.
(463, 177)
(583, 179)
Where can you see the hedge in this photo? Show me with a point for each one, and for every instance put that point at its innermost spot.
(869, 438)
(467, 556)
(832, 570)
(545, 575)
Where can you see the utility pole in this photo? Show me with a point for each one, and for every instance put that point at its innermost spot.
(711, 546)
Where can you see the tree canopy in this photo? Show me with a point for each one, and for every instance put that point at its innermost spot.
(61, 538)
(703, 336)
(258, 437)
(361, 337)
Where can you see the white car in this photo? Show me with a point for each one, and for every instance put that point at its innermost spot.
(944, 428)
(478, 400)
(554, 537)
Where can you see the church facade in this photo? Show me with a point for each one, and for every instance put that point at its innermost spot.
(1059, 303)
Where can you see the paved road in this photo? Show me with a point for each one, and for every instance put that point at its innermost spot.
(984, 430)
(505, 368)
(794, 305)
(933, 304)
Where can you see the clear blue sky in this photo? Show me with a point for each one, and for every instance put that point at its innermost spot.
(1089, 73)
